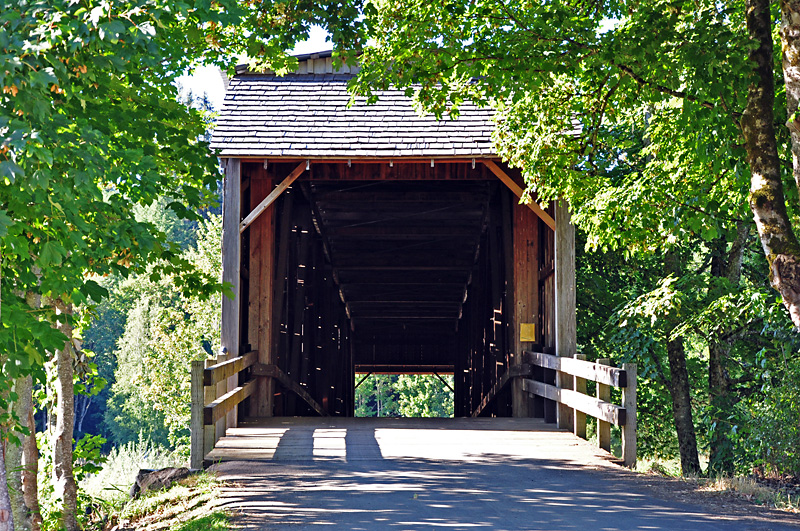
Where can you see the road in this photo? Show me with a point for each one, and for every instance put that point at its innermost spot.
(407, 474)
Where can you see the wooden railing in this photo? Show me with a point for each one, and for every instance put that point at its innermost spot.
(216, 392)
(219, 385)
(601, 408)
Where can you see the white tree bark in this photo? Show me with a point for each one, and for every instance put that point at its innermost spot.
(66, 489)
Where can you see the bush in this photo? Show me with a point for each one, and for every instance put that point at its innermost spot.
(121, 467)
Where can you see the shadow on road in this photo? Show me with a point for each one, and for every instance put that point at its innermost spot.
(364, 491)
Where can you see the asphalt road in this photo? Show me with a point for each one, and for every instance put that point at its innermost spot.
(365, 474)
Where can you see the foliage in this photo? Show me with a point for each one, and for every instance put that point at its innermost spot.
(771, 423)
(376, 396)
(424, 395)
(190, 504)
(406, 395)
(164, 331)
(122, 464)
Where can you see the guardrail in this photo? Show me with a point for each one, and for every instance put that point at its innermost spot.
(601, 408)
(216, 391)
(219, 385)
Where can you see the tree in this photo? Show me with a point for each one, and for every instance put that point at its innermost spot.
(566, 79)
(424, 395)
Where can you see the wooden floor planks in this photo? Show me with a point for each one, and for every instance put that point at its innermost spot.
(354, 439)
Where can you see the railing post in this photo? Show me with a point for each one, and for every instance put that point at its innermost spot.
(629, 429)
(222, 388)
(210, 430)
(603, 427)
(196, 452)
(579, 385)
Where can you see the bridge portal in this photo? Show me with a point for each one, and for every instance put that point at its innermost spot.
(366, 238)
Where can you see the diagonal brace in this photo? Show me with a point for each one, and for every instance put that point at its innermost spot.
(518, 191)
(273, 195)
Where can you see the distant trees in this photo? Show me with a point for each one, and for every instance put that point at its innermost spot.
(417, 395)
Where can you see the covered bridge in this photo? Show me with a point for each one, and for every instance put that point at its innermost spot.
(372, 239)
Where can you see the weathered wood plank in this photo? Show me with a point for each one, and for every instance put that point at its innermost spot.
(196, 426)
(591, 406)
(579, 385)
(597, 372)
(565, 307)
(629, 429)
(526, 295)
(222, 405)
(275, 194)
(216, 373)
(603, 427)
(209, 430)
(262, 273)
(231, 251)
(518, 191)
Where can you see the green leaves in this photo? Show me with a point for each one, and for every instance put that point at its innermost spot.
(10, 171)
(51, 254)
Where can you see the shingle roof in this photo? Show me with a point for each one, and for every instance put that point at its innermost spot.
(306, 115)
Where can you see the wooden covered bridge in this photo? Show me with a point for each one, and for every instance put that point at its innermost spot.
(369, 239)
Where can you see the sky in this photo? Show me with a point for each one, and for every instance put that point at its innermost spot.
(207, 78)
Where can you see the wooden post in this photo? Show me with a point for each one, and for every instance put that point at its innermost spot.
(222, 388)
(579, 384)
(566, 335)
(629, 429)
(209, 431)
(196, 452)
(603, 427)
(231, 251)
(526, 296)
(231, 261)
(262, 271)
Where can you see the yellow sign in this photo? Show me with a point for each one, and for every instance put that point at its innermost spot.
(527, 332)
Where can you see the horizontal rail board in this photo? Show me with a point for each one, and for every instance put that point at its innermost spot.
(222, 405)
(591, 406)
(582, 369)
(226, 369)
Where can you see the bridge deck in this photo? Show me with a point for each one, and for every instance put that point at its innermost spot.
(349, 439)
(416, 474)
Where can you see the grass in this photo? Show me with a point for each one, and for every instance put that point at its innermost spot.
(121, 467)
(747, 488)
(754, 491)
(189, 505)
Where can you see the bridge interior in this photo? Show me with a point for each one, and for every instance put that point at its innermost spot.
(391, 268)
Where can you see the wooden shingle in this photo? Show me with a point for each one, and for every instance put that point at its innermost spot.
(306, 115)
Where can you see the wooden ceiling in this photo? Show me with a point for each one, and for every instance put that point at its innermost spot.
(402, 253)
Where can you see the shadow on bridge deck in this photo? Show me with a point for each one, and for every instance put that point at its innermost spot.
(368, 474)
(354, 439)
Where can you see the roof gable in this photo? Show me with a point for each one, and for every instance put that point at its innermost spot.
(306, 116)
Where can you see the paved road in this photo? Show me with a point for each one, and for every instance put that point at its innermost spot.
(368, 474)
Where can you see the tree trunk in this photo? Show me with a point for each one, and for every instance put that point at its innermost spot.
(6, 522)
(682, 407)
(724, 264)
(767, 200)
(15, 458)
(30, 456)
(790, 43)
(680, 389)
(82, 405)
(63, 480)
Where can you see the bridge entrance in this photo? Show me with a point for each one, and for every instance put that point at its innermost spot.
(366, 238)
(369, 267)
